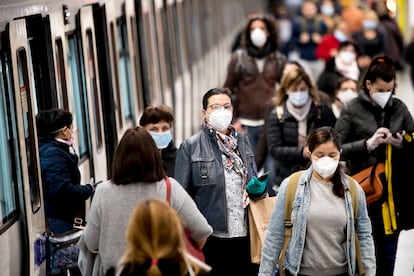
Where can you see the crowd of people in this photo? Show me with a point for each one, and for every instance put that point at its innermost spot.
(308, 89)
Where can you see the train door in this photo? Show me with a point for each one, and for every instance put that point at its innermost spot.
(122, 92)
(25, 108)
(184, 61)
(134, 57)
(93, 95)
(152, 83)
(172, 33)
(58, 40)
(164, 58)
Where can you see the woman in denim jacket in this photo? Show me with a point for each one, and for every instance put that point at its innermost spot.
(323, 233)
(214, 166)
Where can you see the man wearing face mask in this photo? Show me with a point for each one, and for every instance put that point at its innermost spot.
(214, 166)
(158, 121)
(372, 127)
(252, 75)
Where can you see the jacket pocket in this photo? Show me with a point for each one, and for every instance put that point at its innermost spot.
(205, 172)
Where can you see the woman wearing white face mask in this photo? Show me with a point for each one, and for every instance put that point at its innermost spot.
(371, 122)
(321, 242)
(346, 91)
(297, 112)
(342, 65)
(252, 75)
(214, 166)
(159, 122)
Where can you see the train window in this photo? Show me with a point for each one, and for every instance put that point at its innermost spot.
(61, 75)
(94, 88)
(78, 86)
(25, 96)
(125, 71)
(116, 75)
(8, 202)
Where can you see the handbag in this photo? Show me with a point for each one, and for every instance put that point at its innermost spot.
(371, 180)
(259, 213)
(63, 251)
(190, 245)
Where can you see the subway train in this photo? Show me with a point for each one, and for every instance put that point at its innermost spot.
(104, 61)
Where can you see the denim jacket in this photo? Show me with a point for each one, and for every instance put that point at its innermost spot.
(199, 168)
(275, 234)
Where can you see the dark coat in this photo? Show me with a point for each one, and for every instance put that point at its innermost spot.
(63, 195)
(282, 139)
(252, 89)
(358, 121)
(199, 169)
(168, 158)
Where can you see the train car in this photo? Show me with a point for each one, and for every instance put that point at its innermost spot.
(104, 61)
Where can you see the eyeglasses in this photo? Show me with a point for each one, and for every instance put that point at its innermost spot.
(220, 106)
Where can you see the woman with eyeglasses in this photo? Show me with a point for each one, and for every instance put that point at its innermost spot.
(214, 166)
(64, 196)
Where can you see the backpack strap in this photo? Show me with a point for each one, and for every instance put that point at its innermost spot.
(355, 205)
(290, 196)
(168, 189)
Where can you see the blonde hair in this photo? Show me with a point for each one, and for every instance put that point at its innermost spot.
(294, 77)
(155, 243)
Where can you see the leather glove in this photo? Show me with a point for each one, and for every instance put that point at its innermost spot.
(378, 138)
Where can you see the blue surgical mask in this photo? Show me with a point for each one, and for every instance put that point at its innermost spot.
(299, 98)
(340, 36)
(162, 139)
(369, 24)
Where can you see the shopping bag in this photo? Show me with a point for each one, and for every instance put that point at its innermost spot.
(259, 213)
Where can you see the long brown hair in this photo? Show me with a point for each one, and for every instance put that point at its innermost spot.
(136, 159)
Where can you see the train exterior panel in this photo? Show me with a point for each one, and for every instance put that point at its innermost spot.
(104, 61)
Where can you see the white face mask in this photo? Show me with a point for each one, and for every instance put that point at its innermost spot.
(220, 119)
(381, 98)
(346, 95)
(325, 166)
(340, 36)
(299, 98)
(258, 37)
(347, 57)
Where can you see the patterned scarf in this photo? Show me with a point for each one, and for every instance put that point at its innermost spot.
(228, 146)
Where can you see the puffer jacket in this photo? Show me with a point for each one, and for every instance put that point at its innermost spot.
(199, 168)
(282, 139)
(252, 89)
(359, 120)
(64, 196)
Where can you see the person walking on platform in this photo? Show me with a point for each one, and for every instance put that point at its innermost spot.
(214, 166)
(296, 113)
(155, 244)
(64, 196)
(307, 34)
(252, 75)
(373, 128)
(322, 242)
(159, 122)
(137, 174)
